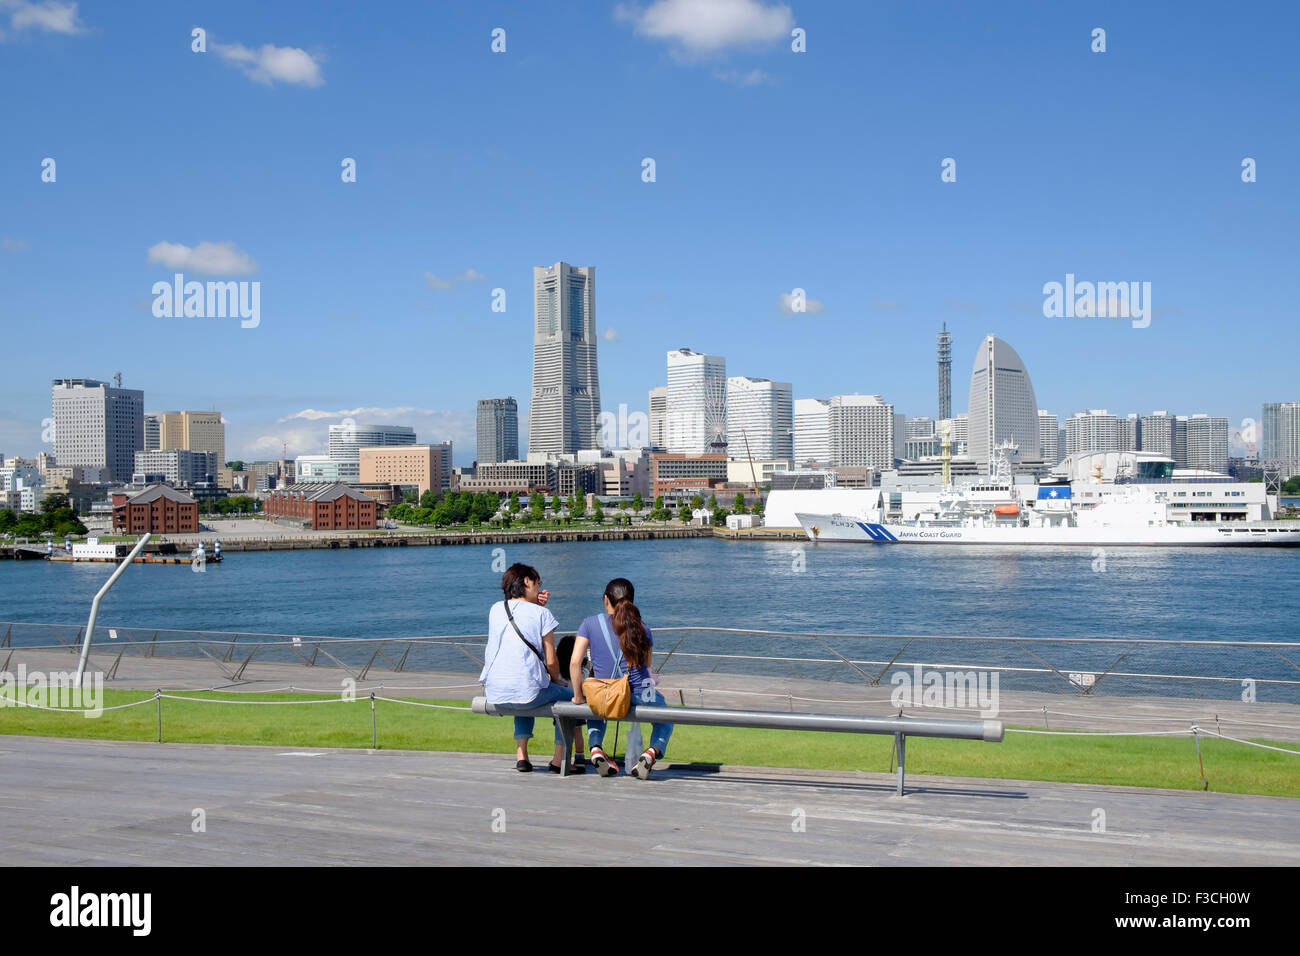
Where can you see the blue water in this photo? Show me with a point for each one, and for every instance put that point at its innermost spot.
(1178, 594)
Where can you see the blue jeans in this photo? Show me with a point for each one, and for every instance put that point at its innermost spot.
(549, 695)
(659, 733)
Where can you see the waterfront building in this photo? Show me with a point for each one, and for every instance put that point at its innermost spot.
(659, 418)
(97, 425)
(444, 449)
(1268, 431)
(175, 466)
(1180, 441)
(318, 469)
(565, 413)
(1207, 444)
(900, 435)
(409, 466)
(1048, 432)
(1130, 432)
(861, 432)
(330, 507)
(671, 472)
(191, 431)
(498, 429)
(346, 439)
(744, 471)
(156, 509)
(1279, 437)
(152, 431)
(1002, 405)
(812, 431)
(760, 417)
(697, 403)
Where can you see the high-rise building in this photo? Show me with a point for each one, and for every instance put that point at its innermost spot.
(1093, 430)
(186, 431)
(659, 418)
(760, 415)
(812, 431)
(1130, 432)
(1002, 405)
(418, 466)
(1048, 432)
(498, 430)
(1157, 434)
(1180, 441)
(1269, 426)
(900, 434)
(920, 428)
(97, 425)
(862, 431)
(958, 434)
(153, 431)
(1207, 443)
(444, 451)
(565, 413)
(346, 438)
(697, 403)
(945, 373)
(176, 466)
(1286, 443)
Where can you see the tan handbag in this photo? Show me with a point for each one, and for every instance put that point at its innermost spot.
(608, 697)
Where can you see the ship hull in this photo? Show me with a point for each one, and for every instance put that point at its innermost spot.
(840, 529)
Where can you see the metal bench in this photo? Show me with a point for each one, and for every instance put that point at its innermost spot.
(568, 714)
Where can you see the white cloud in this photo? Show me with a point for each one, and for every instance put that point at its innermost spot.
(786, 304)
(371, 413)
(270, 64)
(439, 284)
(710, 26)
(610, 335)
(50, 15)
(736, 78)
(207, 258)
(13, 245)
(307, 433)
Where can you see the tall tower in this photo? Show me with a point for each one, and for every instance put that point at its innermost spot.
(1002, 405)
(945, 373)
(565, 412)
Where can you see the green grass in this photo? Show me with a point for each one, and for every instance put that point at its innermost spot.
(1168, 762)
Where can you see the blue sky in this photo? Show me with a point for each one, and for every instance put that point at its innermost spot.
(774, 170)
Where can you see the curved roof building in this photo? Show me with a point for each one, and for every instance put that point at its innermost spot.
(1002, 405)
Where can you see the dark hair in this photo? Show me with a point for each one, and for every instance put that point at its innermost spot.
(512, 582)
(628, 625)
(564, 653)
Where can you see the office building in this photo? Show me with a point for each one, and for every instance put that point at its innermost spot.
(697, 403)
(1180, 441)
(497, 430)
(565, 413)
(97, 425)
(1048, 431)
(659, 418)
(408, 466)
(861, 432)
(1130, 432)
(1157, 433)
(671, 472)
(812, 430)
(920, 428)
(191, 431)
(760, 417)
(1095, 430)
(176, 466)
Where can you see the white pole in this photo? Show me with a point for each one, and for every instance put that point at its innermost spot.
(94, 606)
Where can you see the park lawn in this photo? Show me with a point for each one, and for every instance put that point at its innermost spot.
(1166, 762)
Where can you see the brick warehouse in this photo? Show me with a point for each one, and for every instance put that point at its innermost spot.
(331, 507)
(158, 509)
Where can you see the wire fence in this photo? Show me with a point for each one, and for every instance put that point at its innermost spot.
(1085, 667)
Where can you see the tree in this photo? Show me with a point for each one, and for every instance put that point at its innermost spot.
(429, 499)
(659, 503)
(719, 517)
(7, 520)
(411, 496)
(514, 502)
(556, 503)
(713, 502)
(622, 506)
(697, 502)
(740, 504)
(637, 502)
(598, 514)
(56, 501)
(685, 514)
(235, 465)
(577, 508)
(29, 526)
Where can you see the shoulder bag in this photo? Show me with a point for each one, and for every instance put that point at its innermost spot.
(608, 696)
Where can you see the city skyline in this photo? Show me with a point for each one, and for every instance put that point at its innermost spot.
(408, 256)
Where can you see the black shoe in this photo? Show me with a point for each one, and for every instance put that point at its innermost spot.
(573, 768)
(523, 766)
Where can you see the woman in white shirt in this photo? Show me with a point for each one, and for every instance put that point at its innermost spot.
(521, 668)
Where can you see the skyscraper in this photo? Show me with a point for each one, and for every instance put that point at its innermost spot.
(1002, 405)
(760, 413)
(97, 425)
(1093, 430)
(945, 373)
(1130, 432)
(189, 431)
(1157, 433)
(497, 430)
(565, 413)
(1269, 429)
(1207, 443)
(862, 431)
(1048, 432)
(659, 418)
(812, 431)
(697, 403)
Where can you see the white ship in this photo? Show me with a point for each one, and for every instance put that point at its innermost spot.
(1140, 502)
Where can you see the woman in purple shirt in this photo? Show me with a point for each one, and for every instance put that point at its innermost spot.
(619, 643)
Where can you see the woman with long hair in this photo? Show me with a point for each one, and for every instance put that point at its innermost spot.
(520, 664)
(620, 643)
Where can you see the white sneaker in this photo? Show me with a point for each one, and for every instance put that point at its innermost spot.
(644, 764)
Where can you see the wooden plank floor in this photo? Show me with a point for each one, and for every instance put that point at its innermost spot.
(70, 802)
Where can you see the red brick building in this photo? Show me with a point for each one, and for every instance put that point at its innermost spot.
(329, 507)
(158, 509)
